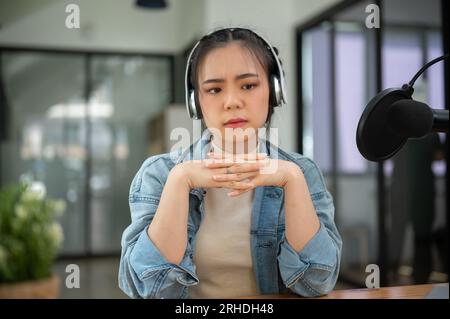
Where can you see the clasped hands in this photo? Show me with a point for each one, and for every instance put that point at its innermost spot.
(242, 173)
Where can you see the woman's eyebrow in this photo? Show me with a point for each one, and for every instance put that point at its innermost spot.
(238, 77)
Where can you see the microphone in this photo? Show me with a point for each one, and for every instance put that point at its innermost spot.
(392, 116)
(415, 119)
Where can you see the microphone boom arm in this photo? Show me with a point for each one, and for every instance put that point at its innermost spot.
(426, 66)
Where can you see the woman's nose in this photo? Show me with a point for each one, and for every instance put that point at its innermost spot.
(233, 101)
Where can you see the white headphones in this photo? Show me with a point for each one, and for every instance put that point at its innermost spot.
(276, 81)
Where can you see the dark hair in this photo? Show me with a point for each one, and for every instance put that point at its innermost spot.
(256, 46)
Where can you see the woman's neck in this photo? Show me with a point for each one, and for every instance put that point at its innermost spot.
(233, 147)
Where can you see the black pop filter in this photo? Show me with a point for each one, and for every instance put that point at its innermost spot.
(392, 117)
(409, 118)
(375, 139)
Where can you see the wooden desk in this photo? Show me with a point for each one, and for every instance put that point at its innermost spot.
(400, 292)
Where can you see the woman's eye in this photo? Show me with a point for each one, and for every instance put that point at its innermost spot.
(214, 90)
(249, 86)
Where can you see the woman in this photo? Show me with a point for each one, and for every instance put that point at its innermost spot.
(232, 215)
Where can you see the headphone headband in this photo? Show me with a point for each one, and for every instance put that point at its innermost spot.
(279, 81)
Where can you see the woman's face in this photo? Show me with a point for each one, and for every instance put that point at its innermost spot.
(232, 86)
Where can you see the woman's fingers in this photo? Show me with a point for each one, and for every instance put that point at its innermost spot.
(238, 157)
(235, 193)
(233, 167)
(248, 167)
(210, 163)
(233, 177)
(236, 185)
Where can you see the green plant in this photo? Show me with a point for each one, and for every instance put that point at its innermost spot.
(29, 234)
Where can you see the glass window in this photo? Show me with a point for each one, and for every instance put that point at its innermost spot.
(56, 137)
(44, 143)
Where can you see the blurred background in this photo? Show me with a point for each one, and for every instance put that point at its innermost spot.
(81, 109)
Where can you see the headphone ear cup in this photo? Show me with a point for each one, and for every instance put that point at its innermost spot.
(275, 91)
(194, 107)
(191, 103)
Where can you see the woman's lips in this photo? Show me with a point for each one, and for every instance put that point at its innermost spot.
(236, 124)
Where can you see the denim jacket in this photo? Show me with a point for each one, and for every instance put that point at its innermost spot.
(279, 269)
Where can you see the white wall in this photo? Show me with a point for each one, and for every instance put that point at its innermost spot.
(105, 24)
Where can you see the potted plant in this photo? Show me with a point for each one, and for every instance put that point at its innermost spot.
(29, 240)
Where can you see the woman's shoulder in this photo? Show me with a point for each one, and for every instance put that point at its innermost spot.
(158, 161)
(154, 171)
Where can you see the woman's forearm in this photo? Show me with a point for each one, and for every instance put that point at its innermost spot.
(168, 229)
(302, 222)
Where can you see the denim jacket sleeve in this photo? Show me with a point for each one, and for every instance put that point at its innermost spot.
(314, 270)
(143, 271)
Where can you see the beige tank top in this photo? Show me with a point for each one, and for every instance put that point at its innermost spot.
(222, 249)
